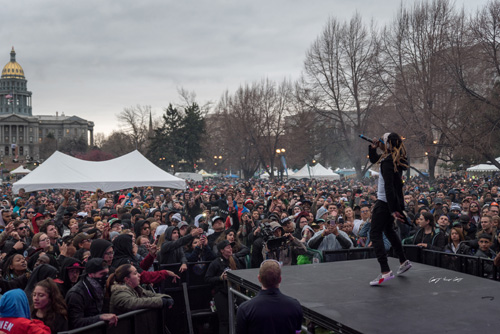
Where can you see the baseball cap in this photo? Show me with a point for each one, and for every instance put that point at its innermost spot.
(95, 265)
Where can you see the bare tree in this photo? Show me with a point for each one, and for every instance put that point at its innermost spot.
(421, 93)
(473, 61)
(254, 123)
(118, 143)
(135, 122)
(340, 82)
(99, 139)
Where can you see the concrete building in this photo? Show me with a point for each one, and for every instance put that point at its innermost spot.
(21, 132)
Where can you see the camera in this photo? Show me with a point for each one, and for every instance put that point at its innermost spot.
(272, 242)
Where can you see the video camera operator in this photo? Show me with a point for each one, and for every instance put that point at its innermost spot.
(280, 246)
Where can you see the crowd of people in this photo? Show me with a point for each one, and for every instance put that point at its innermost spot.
(73, 258)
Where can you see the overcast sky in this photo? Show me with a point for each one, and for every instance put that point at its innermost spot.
(93, 58)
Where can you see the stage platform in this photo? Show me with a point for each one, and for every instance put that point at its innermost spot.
(426, 299)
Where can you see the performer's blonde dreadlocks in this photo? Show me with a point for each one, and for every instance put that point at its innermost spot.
(397, 150)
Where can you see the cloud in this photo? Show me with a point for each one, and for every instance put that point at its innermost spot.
(93, 58)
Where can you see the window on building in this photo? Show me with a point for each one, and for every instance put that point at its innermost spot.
(6, 150)
(21, 139)
(31, 130)
(21, 128)
(40, 140)
(31, 139)
(6, 139)
(21, 150)
(13, 139)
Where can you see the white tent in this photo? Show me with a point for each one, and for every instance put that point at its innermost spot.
(321, 173)
(21, 170)
(317, 172)
(302, 173)
(484, 168)
(204, 173)
(190, 176)
(62, 171)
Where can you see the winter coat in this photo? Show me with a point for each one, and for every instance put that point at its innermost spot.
(125, 299)
(15, 312)
(173, 251)
(84, 304)
(438, 240)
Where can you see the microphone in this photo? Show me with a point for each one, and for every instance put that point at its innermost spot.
(369, 139)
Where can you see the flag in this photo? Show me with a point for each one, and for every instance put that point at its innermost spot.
(8, 96)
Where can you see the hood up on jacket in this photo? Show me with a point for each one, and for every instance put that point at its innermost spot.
(14, 304)
(98, 247)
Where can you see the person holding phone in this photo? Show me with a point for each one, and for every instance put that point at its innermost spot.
(330, 238)
(390, 202)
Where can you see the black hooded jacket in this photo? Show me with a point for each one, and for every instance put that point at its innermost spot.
(173, 251)
(98, 247)
(40, 273)
(63, 274)
(124, 254)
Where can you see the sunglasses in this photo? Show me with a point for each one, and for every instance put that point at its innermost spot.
(23, 228)
(30, 212)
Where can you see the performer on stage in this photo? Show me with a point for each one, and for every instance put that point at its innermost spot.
(390, 202)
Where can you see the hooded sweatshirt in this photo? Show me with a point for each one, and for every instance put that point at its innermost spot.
(15, 315)
(40, 273)
(173, 251)
(124, 254)
(63, 273)
(98, 247)
(33, 222)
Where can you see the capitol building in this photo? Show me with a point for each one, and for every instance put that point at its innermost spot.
(21, 132)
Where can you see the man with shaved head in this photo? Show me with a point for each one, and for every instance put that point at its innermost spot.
(270, 312)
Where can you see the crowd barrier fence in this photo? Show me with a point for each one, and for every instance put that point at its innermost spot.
(468, 264)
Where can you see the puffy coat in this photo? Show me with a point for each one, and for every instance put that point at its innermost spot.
(125, 299)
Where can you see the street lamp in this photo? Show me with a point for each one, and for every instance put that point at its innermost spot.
(219, 159)
(280, 152)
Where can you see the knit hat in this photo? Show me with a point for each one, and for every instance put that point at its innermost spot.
(177, 217)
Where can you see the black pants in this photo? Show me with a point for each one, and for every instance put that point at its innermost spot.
(221, 303)
(383, 222)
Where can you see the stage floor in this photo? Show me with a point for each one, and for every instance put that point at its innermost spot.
(426, 299)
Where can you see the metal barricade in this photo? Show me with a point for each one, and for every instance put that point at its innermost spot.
(139, 321)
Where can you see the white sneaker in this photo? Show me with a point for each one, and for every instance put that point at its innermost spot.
(404, 267)
(382, 278)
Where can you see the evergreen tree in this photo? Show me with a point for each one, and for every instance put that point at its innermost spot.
(178, 138)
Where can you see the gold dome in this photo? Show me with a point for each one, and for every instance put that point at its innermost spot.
(12, 70)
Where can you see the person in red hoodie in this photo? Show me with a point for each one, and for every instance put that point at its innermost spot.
(15, 315)
(37, 222)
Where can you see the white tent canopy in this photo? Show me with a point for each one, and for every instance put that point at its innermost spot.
(317, 172)
(190, 176)
(21, 170)
(62, 171)
(484, 168)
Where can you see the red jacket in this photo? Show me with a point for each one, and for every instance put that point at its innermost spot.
(23, 326)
